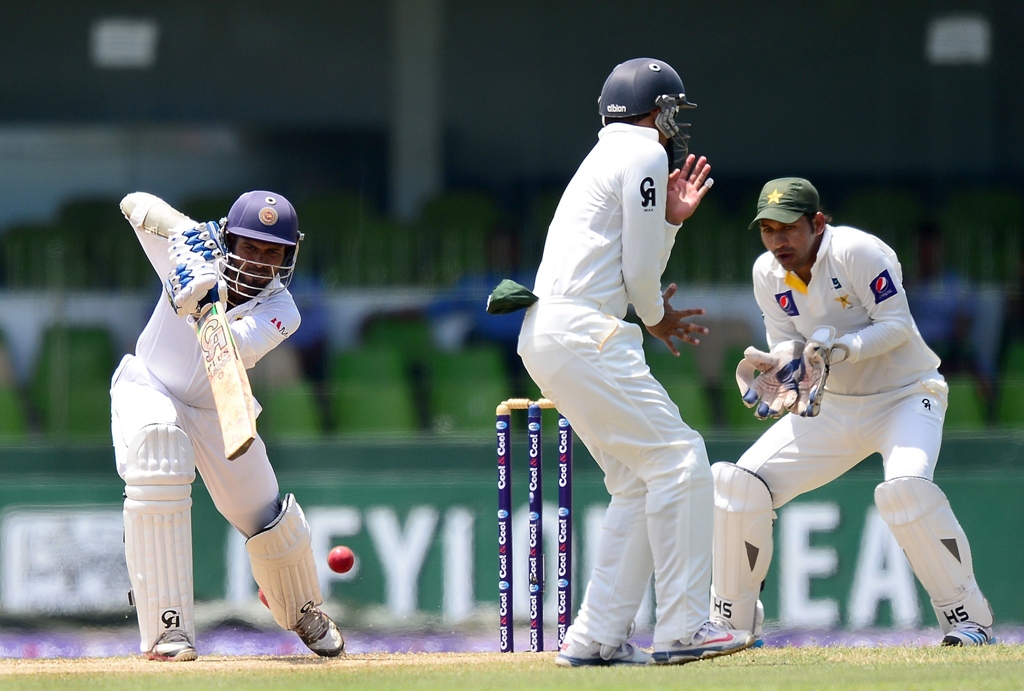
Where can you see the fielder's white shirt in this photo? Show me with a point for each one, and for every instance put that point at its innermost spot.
(609, 241)
(857, 287)
(170, 350)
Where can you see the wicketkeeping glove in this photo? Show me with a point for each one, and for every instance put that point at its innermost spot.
(820, 353)
(776, 389)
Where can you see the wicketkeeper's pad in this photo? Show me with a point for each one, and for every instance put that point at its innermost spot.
(742, 544)
(923, 524)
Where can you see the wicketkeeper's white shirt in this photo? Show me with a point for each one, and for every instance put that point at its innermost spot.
(857, 287)
(168, 346)
(608, 241)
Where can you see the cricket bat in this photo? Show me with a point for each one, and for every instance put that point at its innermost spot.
(229, 382)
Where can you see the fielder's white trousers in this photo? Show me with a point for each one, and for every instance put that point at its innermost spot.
(245, 490)
(592, 366)
(796, 455)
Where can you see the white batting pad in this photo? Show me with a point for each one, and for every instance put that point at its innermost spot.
(282, 564)
(923, 524)
(158, 530)
(743, 544)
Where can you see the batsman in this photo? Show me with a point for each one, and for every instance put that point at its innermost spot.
(850, 367)
(166, 419)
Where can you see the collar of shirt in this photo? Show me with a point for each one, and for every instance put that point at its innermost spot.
(625, 128)
(826, 238)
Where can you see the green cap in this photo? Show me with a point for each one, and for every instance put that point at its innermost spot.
(785, 200)
(509, 297)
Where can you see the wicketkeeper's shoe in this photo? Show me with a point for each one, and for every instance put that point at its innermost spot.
(711, 640)
(758, 625)
(320, 634)
(173, 646)
(968, 633)
(593, 654)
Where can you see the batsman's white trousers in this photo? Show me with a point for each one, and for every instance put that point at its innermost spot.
(796, 454)
(592, 366)
(245, 490)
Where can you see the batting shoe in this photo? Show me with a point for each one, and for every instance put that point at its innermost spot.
(173, 646)
(968, 633)
(320, 634)
(574, 653)
(712, 639)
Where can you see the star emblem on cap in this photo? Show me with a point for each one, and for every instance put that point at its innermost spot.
(775, 197)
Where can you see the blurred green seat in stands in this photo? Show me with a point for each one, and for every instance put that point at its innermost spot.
(70, 389)
(713, 246)
(966, 410)
(371, 392)
(891, 213)
(457, 226)
(26, 252)
(409, 335)
(539, 214)
(679, 376)
(290, 407)
(13, 421)
(201, 209)
(349, 243)
(100, 248)
(465, 388)
(982, 229)
(1010, 407)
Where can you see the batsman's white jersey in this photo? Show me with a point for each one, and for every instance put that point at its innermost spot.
(606, 248)
(165, 382)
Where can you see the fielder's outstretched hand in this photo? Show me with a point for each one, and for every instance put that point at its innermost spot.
(686, 188)
(673, 324)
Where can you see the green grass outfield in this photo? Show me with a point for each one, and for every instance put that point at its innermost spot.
(991, 667)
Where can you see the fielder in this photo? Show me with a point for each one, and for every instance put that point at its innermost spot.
(165, 427)
(606, 248)
(843, 342)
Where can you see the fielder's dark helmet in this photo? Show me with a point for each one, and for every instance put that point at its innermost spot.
(640, 85)
(268, 217)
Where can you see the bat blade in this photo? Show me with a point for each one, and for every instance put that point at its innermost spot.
(228, 381)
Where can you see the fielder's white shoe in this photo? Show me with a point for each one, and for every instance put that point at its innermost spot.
(711, 640)
(968, 633)
(320, 634)
(593, 654)
(173, 646)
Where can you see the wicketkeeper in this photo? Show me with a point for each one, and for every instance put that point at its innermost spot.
(165, 426)
(850, 367)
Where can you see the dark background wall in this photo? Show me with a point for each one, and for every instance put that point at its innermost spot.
(836, 89)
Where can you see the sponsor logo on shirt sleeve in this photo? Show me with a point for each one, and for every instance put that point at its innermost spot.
(883, 287)
(647, 194)
(279, 326)
(787, 303)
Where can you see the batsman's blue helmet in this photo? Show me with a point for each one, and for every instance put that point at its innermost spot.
(267, 217)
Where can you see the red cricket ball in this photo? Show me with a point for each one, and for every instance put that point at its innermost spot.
(341, 559)
(263, 598)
